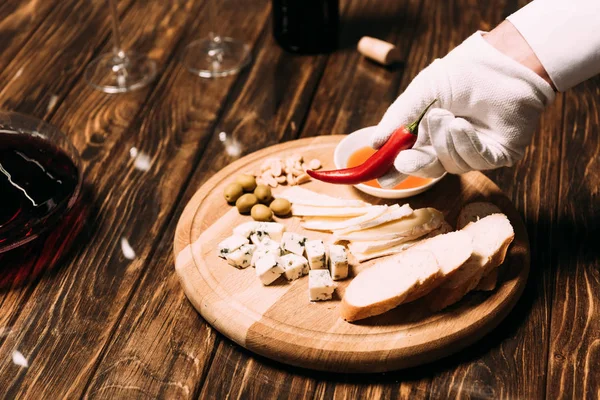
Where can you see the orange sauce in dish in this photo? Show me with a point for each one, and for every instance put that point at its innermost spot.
(361, 155)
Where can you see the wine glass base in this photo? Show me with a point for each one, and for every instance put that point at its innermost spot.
(215, 58)
(111, 74)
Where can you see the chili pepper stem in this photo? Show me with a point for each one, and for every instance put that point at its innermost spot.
(412, 128)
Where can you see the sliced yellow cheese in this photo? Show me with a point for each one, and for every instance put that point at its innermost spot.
(300, 196)
(417, 224)
(332, 224)
(312, 211)
(393, 214)
(367, 246)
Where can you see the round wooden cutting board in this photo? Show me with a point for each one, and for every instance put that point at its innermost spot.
(279, 322)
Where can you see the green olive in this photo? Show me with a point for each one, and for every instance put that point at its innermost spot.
(281, 207)
(232, 192)
(260, 212)
(263, 194)
(245, 203)
(247, 181)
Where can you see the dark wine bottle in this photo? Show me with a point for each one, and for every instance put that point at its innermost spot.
(306, 26)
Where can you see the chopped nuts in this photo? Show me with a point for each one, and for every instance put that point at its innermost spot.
(280, 171)
(302, 179)
(314, 164)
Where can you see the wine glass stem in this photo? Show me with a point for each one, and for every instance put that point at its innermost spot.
(216, 52)
(116, 36)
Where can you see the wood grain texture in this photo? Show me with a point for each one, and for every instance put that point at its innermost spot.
(574, 351)
(278, 322)
(47, 43)
(18, 21)
(355, 92)
(108, 278)
(511, 362)
(63, 44)
(270, 122)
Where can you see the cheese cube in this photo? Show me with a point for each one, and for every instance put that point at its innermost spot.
(293, 243)
(271, 230)
(294, 266)
(316, 254)
(268, 269)
(246, 229)
(338, 262)
(242, 257)
(271, 245)
(267, 246)
(320, 285)
(231, 244)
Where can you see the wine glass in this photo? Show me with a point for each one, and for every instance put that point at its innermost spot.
(119, 71)
(216, 55)
(42, 206)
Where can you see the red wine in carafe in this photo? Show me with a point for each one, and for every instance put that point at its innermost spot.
(37, 183)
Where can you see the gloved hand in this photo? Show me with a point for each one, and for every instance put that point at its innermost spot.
(487, 110)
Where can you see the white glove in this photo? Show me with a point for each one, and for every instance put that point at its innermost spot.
(487, 110)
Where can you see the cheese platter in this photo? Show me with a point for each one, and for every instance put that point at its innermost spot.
(279, 289)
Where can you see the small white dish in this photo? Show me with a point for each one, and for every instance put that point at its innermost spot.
(359, 139)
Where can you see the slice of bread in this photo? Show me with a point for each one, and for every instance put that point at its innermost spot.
(473, 212)
(491, 237)
(451, 249)
(387, 284)
(488, 282)
(405, 277)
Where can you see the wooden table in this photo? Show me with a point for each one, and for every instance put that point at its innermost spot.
(105, 326)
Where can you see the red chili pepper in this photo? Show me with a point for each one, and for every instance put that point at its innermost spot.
(379, 163)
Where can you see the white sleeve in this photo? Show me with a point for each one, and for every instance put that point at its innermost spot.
(565, 36)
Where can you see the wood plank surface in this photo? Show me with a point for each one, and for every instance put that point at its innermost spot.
(19, 19)
(574, 350)
(112, 277)
(103, 326)
(249, 125)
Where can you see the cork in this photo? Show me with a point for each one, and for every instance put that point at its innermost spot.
(378, 50)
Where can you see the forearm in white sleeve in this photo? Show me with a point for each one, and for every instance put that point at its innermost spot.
(565, 37)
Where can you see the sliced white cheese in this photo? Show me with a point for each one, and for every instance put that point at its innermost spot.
(294, 266)
(293, 243)
(313, 211)
(242, 257)
(420, 222)
(338, 262)
(366, 246)
(320, 285)
(231, 244)
(369, 255)
(393, 214)
(369, 250)
(268, 269)
(332, 224)
(301, 196)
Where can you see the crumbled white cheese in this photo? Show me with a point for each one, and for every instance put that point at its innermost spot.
(320, 285)
(294, 266)
(263, 230)
(231, 244)
(338, 261)
(242, 257)
(293, 243)
(268, 268)
(316, 254)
